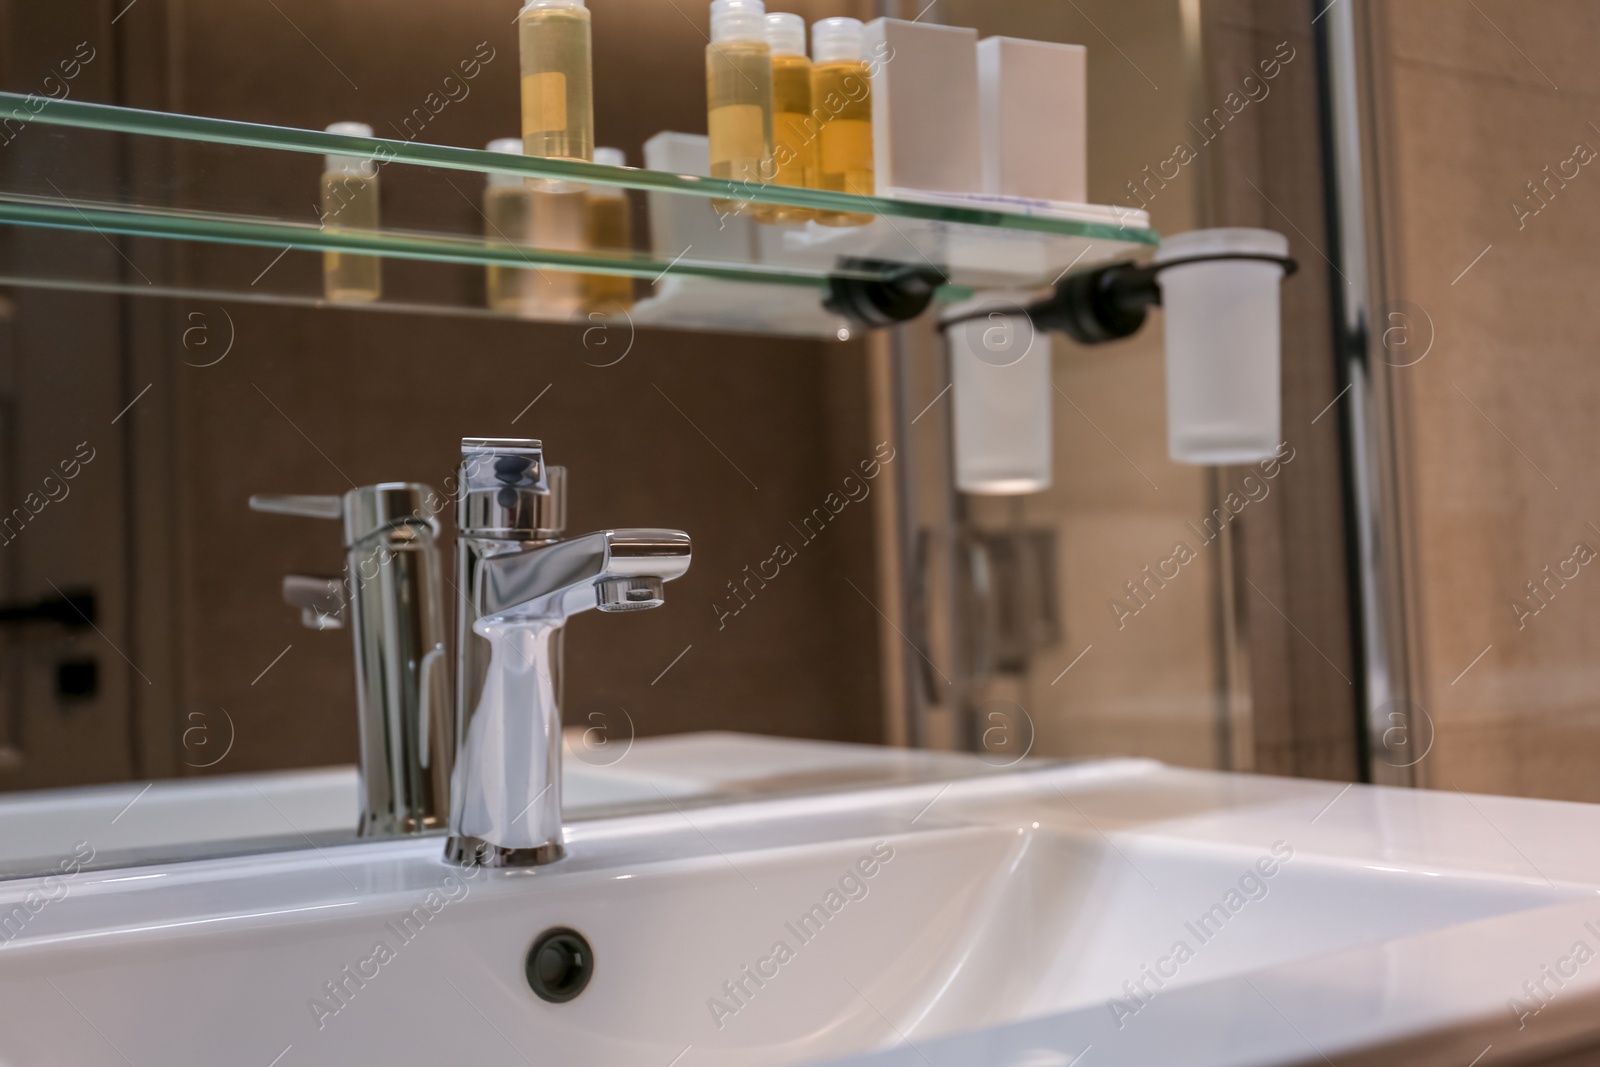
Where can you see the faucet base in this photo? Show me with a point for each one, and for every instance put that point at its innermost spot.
(475, 852)
(387, 825)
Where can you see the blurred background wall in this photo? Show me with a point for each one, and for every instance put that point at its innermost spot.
(1484, 119)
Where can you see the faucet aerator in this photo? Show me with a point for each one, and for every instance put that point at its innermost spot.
(629, 594)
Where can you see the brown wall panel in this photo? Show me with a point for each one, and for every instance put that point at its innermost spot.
(730, 438)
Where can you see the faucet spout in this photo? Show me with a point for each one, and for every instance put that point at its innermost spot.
(614, 570)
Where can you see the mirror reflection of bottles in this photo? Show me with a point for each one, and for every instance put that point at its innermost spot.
(557, 84)
(794, 141)
(739, 94)
(508, 221)
(610, 230)
(350, 202)
(560, 224)
(841, 94)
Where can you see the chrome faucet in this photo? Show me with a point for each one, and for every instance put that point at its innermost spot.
(518, 583)
(392, 594)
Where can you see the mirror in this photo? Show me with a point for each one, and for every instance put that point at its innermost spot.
(173, 685)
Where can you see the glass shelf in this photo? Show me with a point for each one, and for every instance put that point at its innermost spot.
(232, 207)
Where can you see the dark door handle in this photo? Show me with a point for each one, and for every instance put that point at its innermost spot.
(75, 610)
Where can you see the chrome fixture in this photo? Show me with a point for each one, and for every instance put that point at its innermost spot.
(392, 597)
(519, 582)
(1361, 216)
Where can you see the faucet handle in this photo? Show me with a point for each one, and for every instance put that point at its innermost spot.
(508, 492)
(368, 510)
(550, 518)
(308, 507)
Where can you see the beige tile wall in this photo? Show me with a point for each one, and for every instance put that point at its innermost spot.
(1503, 411)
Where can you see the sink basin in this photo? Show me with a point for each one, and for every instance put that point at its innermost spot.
(1011, 919)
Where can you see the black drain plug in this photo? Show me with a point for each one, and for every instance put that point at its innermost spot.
(559, 964)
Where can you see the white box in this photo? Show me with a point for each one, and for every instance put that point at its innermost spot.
(1034, 116)
(681, 222)
(924, 106)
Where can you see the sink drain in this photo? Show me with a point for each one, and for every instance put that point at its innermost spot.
(559, 964)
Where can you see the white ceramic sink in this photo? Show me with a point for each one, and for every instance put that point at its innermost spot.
(994, 922)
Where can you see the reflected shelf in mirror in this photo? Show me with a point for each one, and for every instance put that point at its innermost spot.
(245, 186)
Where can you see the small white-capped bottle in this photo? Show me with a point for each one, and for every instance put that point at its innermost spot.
(508, 221)
(794, 133)
(739, 94)
(557, 82)
(350, 202)
(841, 94)
(610, 230)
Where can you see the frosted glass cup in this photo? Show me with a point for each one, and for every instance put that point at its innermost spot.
(1001, 396)
(1224, 401)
